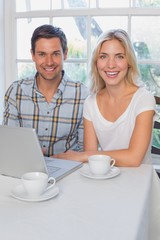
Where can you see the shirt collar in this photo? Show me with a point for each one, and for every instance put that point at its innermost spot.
(61, 86)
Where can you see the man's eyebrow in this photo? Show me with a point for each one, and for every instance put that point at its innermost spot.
(57, 51)
(40, 51)
(46, 52)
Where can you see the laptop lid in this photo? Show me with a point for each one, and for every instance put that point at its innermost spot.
(20, 152)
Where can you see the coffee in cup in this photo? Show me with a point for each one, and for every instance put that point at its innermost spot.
(37, 183)
(100, 164)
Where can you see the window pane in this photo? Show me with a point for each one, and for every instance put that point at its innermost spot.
(76, 71)
(150, 75)
(32, 5)
(155, 76)
(56, 4)
(76, 4)
(76, 33)
(24, 37)
(21, 6)
(92, 3)
(102, 24)
(145, 36)
(113, 3)
(156, 138)
(106, 23)
(26, 70)
(147, 3)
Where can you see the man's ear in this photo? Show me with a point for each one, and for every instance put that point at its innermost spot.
(32, 54)
(66, 54)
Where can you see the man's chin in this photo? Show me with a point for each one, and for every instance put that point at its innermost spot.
(48, 78)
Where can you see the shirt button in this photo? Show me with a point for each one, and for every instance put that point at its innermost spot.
(46, 129)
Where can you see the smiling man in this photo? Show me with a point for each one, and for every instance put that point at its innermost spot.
(50, 102)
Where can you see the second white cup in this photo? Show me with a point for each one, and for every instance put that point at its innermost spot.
(100, 164)
(36, 183)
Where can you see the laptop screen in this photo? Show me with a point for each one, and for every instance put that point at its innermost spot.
(21, 152)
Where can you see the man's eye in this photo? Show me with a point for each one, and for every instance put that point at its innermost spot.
(41, 54)
(56, 54)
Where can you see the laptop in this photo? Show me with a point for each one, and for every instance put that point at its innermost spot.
(20, 152)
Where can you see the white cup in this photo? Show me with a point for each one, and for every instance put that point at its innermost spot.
(100, 164)
(36, 183)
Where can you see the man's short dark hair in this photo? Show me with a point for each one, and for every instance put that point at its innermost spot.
(48, 31)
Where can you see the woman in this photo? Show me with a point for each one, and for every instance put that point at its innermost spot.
(118, 115)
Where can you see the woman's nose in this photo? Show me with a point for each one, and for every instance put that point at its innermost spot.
(111, 63)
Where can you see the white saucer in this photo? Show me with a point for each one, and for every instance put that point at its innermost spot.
(85, 171)
(19, 193)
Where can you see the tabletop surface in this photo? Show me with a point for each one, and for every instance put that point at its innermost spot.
(125, 207)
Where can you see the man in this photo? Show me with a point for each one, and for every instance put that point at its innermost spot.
(51, 103)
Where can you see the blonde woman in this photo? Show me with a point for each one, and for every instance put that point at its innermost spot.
(118, 115)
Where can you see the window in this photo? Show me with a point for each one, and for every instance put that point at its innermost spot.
(2, 64)
(83, 21)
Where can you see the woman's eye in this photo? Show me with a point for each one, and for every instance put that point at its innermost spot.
(120, 56)
(102, 56)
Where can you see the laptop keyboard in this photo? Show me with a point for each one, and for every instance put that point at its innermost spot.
(52, 169)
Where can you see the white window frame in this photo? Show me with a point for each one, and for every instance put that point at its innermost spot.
(10, 17)
(2, 58)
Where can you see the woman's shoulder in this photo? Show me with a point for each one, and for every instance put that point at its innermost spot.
(91, 97)
(144, 98)
(142, 92)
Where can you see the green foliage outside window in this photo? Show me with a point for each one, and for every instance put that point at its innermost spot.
(156, 138)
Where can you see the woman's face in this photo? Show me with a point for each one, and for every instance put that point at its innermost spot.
(112, 63)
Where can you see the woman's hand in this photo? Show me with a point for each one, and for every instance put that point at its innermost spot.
(72, 155)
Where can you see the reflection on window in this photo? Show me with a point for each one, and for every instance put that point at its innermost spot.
(147, 3)
(24, 37)
(150, 75)
(83, 31)
(32, 5)
(146, 30)
(76, 71)
(35, 5)
(113, 3)
(26, 70)
(75, 29)
(76, 4)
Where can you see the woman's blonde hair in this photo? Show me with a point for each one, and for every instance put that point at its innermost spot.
(96, 81)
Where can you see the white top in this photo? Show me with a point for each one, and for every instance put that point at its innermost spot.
(116, 135)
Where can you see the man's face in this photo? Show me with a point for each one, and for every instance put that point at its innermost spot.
(49, 58)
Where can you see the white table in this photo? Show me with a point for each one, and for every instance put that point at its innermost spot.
(126, 207)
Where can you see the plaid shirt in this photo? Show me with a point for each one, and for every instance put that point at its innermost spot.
(59, 124)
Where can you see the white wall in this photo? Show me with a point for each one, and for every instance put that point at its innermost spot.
(2, 62)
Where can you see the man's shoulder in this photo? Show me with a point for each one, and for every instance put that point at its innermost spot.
(77, 85)
(22, 82)
(25, 82)
(74, 83)
(81, 87)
